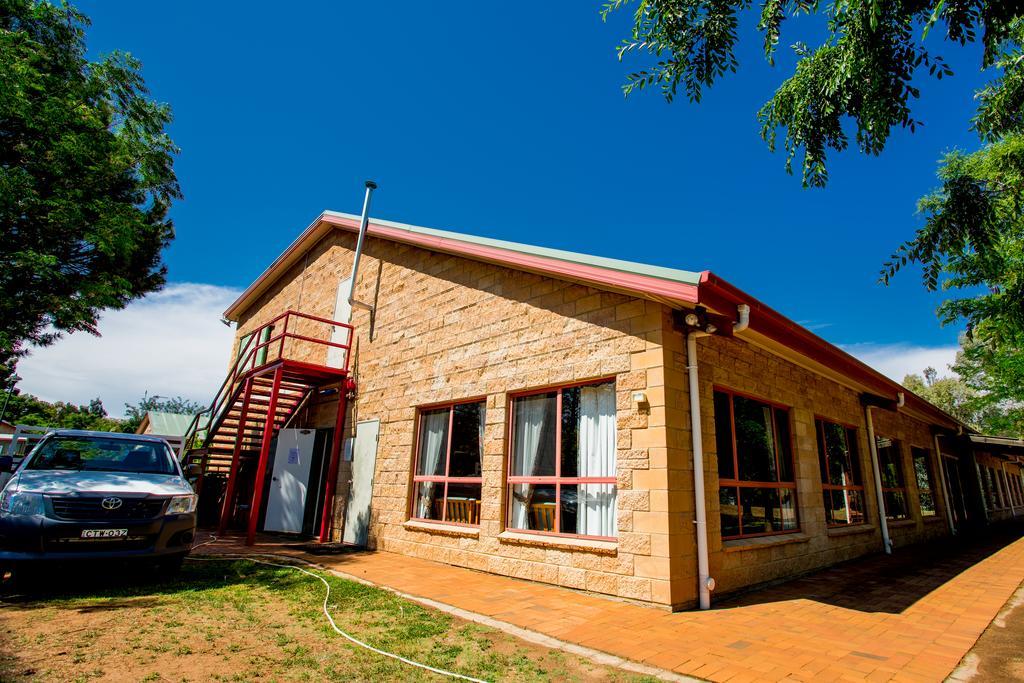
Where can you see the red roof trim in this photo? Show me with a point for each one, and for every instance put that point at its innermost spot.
(595, 275)
(723, 297)
(591, 275)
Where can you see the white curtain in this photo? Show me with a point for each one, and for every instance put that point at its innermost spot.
(596, 511)
(530, 413)
(434, 427)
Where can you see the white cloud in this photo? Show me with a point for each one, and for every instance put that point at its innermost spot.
(898, 360)
(170, 343)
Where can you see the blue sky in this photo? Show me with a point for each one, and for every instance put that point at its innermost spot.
(508, 120)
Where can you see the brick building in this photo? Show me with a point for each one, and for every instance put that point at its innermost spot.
(527, 412)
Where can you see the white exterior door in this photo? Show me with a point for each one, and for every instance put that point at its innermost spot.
(364, 458)
(339, 335)
(286, 502)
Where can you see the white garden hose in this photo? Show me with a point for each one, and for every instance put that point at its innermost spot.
(330, 619)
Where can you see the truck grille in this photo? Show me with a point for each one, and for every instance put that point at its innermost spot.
(91, 508)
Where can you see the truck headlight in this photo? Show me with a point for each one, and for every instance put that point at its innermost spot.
(181, 505)
(21, 503)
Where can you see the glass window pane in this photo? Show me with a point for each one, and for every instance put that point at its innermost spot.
(755, 447)
(819, 428)
(839, 468)
(463, 503)
(927, 505)
(729, 511)
(533, 507)
(594, 411)
(922, 469)
(851, 444)
(889, 463)
(433, 442)
(784, 443)
(787, 520)
(467, 440)
(594, 512)
(855, 501)
(895, 504)
(428, 499)
(761, 511)
(533, 432)
(723, 436)
(569, 508)
(570, 432)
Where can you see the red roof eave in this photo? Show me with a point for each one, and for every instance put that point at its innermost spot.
(723, 297)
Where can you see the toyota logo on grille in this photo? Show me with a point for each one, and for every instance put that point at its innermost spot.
(111, 503)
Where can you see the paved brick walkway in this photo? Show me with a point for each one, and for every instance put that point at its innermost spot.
(910, 617)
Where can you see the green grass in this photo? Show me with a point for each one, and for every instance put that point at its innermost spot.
(237, 620)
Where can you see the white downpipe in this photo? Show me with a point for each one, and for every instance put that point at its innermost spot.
(946, 490)
(743, 311)
(363, 224)
(883, 523)
(700, 506)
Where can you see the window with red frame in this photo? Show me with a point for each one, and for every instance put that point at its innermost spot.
(894, 487)
(447, 477)
(841, 483)
(561, 476)
(925, 480)
(757, 489)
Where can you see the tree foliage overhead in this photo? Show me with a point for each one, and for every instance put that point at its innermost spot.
(862, 72)
(86, 179)
(986, 393)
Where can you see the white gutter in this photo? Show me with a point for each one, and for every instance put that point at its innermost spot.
(364, 223)
(946, 491)
(883, 523)
(705, 584)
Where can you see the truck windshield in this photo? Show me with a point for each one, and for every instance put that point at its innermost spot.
(97, 454)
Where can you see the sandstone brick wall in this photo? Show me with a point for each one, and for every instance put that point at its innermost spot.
(738, 365)
(448, 328)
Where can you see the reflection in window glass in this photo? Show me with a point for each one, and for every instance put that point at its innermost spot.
(755, 465)
(573, 493)
(925, 485)
(894, 492)
(839, 462)
(447, 477)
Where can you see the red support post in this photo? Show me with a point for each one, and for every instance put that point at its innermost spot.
(229, 490)
(261, 467)
(327, 516)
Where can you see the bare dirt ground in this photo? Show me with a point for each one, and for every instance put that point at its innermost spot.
(235, 621)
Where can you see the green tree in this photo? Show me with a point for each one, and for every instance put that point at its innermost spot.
(28, 409)
(135, 413)
(995, 371)
(862, 72)
(86, 179)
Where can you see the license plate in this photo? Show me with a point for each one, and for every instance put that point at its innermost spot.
(104, 533)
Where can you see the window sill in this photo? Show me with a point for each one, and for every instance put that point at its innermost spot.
(851, 530)
(933, 519)
(737, 545)
(900, 523)
(603, 547)
(442, 528)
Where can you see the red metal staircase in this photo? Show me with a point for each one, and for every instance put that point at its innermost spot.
(276, 371)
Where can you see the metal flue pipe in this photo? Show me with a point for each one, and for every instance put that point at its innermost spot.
(363, 224)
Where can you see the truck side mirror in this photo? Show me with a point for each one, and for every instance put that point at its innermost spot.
(195, 469)
(6, 464)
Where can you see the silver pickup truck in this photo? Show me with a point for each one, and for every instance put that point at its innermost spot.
(91, 495)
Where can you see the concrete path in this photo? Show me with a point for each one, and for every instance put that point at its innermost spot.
(909, 617)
